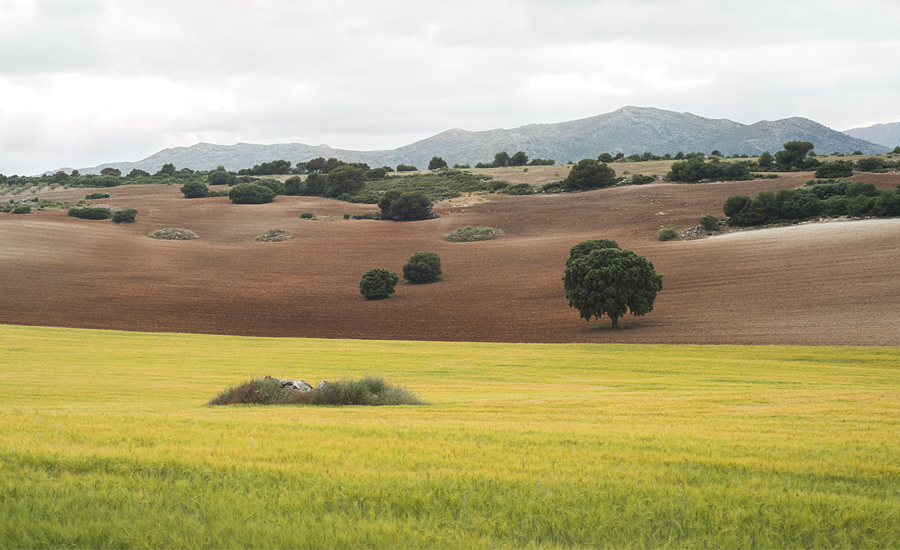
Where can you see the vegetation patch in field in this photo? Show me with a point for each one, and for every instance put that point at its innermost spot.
(369, 391)
(470, 234)
(274, 236)
(173, 234)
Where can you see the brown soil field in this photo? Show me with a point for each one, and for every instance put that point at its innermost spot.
(827, 283)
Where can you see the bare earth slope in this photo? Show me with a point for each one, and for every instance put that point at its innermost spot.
(816, 284)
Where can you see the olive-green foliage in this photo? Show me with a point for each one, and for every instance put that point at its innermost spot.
(695, 170)
(639, 179)
(250, 193)
(126, 215)
(272, 184)
(95, 196)
(378, 283)
(368, 391)
(469, 234)
(22, 209)
(709, 222)
(887, 204)
(437, 163)
(307, 215)
(611, 281)
(294, 186)
(405, 207)
(90, 213)
(422, 268)
(345, 180)
(586, 247)
(221, 177)
(589, 174)
(667, 234)
(195, 190)
(173, 234)
(793, 155)
(834, 170)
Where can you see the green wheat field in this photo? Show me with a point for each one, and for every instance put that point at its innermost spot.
(107, 442)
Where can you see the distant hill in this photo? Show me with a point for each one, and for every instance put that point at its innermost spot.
(882, 134)
(627, 130)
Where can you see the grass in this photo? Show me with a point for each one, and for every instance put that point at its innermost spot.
(107, 442)
(470, 234)
(173, 234)
(369, 391)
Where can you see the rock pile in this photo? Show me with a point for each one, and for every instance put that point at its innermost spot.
(299, 385)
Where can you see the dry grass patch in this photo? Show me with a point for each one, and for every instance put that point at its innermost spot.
(173, 234)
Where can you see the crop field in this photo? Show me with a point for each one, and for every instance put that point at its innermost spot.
(107, 442)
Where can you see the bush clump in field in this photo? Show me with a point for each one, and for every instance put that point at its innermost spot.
(709, 222)
(470, 234)
(307, 216)
(378, 283)
(250, 193)
(22, 209)
(274, 236)
(90, 213)
(95, 196)
(126, 215)
(423, 268)
(173, 234)
(667, 233)
(370, 391)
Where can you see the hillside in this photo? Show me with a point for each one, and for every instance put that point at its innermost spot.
(808, 284)
(882, 134)
(627, 130)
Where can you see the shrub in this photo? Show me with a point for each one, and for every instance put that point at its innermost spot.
(272, 184)
(405, 207)
(173, 234)
(518, 189)
(90, 213)
(22, 209)
(709, 222)
(836, 206)
(589, 174)
(346, 216)
(195, 190)
(369, 391)
(470, 234)
(406, 168)
(639, 179)
(274, 236)
(94, 196)
(834, 170)
(250, 193)
(858, 206)
(307, 215)
(128, 215)
(378, 283)
(367, 216)
(667, 234)
(423, 267)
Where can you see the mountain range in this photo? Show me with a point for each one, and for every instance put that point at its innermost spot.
(882, 134)
(627, 130)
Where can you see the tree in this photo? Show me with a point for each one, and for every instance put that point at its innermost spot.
(833, 170)
(194, 190)
(378, 283)
(272, 184)
(586, 247)
(127, 215)
(519, 159)
(293, 185)
(110, 171)
(405, 207)
(166, 170)
(220, 177)
(765, 160)
(437, 163)
(342, 180)
(589, 174)
(250, 193)
(406, 168)
(501, 159)
(793, 155)
(315, 165)
(611, 281)
(423, 267)
(137, 173)
(605, 157)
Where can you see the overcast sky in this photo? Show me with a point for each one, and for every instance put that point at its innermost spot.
(83, 82)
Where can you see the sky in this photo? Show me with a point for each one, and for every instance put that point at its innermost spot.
(85, 82)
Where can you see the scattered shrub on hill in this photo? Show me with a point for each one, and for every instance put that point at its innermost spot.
(834, 170)
(367, 216)
(518, 189)
(90, 213)
(404, 207)
(95, 196)
(423, 268)
(22, 209)
(195, 190)
(220, 177)
(470, 234)
(869, 164)
(406, 168)
(272, 184)
(639, 179)
(378, 283)
(274, 236)
(368, 391)
(694, 170)
(307, 215)
(589, 174)
(173, 234)
(709, 222)
(126, 215)
(667, 234)
(250, 193)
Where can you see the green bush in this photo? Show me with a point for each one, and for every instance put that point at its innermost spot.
(518, 189)
(195, 190)
(307, 215)
(367, 216)
(378, 283)
(250, 193)
(173, 234)
(272, 184)
(422, 268)
(405, 207)
(639, 179)
(834, 170)
(368, 391)
(470, 234)
(90, 213)
(95, 196)
(709, 222)
(22, 209)
(127, 215)
(667, 234)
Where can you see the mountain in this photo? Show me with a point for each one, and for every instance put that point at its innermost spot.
(627, 130)
(882, 134)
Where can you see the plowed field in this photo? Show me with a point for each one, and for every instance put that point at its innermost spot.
(834, 283)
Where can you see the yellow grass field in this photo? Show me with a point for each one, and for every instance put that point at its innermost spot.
(107, 442)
